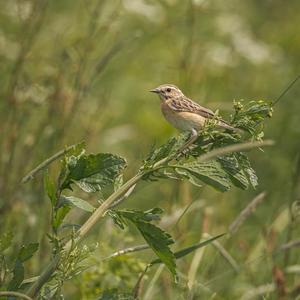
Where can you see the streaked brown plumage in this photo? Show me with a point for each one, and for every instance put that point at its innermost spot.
(183, 113)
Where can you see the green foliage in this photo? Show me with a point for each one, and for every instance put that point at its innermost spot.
(25, 253)
(73, 70)
(223, 172)
(92, 172)
(77, 202)
(156, 238)
(248, 116)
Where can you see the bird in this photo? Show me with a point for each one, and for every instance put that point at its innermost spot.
(183, 113)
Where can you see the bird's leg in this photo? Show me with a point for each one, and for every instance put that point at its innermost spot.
(192, 139)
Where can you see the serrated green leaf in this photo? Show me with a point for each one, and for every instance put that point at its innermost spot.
(245, 165)
(27, 251)
(77, 150)
(92, 172)
(166, 150)
(80, 203)
(157, 239)
(210, 173)
(231, 166)
(188, 250)
(50, 189)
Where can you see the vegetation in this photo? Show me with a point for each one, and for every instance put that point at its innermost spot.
(86, 223)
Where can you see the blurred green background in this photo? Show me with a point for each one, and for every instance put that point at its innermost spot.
(73, 70)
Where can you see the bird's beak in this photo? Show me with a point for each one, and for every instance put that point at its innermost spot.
(155, 91)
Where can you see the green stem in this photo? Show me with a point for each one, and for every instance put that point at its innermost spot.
(93, 219)
(100, 211)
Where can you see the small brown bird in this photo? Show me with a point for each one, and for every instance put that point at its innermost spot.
(183, 113)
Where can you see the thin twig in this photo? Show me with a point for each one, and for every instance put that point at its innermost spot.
(292, 244)
(124, 197)
(287, 89)
(234, 148)
(246, 212)
(45, 163)
(225, 254)
(127, 250)
(15, 294)
(101, 210)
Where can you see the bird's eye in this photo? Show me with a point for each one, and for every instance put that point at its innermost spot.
(168, 90)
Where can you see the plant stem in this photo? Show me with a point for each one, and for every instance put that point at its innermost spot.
(15, 294)
(45, 163)
(93, 219)
(115, 197)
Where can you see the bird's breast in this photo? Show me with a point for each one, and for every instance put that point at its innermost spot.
(182, 120)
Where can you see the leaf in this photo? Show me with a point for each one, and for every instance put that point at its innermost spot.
(50, 189)
(156, 238)
(82, 204)
(27, 251)
(159, 241)
(137, 215)
(77, 150)
(210, 172)
(245, 165)
(59, 216)
(168, 149)
(231, 166)
(190, 249)
(92, 172)
(118, 182)
(117, 218)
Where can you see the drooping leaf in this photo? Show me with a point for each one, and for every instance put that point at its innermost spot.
(245, 165)
(210, 172)
(80, 203)
(231, 166)
(92, 172)
(157, 239)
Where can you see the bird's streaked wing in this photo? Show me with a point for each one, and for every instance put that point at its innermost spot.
(184, 104)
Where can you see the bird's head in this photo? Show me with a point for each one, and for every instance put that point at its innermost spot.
(167, 91)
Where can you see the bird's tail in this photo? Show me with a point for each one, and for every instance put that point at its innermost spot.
(223, 124)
